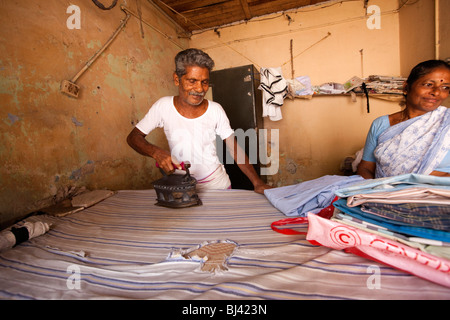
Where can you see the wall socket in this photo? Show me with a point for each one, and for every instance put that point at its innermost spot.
(70, 88)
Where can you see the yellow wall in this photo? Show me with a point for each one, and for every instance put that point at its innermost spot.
(316, 135)
(417, 34)
(49, 141)
(423, 37)
(443, 10)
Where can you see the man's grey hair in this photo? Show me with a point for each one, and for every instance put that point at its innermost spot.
(192, 57)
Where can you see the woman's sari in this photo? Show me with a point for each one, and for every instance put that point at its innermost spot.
(417, 145)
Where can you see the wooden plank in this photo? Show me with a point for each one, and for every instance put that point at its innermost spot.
(246, 9)
(204, 14)
(262, 7)
(172, 14)
(190, 6)
(226, 13)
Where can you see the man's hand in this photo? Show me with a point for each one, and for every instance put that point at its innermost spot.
(136, 140)
(165, 161)
(259, 188)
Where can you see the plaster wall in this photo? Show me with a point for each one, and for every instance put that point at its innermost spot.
(49, 140)
(331, 43)
(424, 33)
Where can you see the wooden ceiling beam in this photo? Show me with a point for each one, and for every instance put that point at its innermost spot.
(171, 13)
(246, 9)
(194, 15)
(197, 5)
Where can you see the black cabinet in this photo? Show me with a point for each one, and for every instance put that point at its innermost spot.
(236, 89)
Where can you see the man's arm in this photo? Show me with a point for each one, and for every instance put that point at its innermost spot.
(136, 140)
(246, 167)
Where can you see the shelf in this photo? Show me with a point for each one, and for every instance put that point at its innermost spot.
(384, 96)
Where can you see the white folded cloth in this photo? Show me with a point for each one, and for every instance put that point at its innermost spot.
(34, 229)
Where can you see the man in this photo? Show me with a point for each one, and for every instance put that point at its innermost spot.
(191, 124)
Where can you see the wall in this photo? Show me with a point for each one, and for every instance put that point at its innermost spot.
(444, 30)
(417, 33)
(49, 140)
(316, 135)
(422, 36)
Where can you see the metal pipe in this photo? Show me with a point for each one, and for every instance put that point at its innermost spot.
(99, 52)
(69, 87)
(437, 35)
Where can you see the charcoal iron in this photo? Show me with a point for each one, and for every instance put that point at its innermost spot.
(177, 190)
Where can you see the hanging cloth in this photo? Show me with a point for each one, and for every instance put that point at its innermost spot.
(275, 89)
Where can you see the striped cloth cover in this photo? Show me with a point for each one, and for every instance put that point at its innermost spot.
(122, 248)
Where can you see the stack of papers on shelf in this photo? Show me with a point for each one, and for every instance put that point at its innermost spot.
(385, 85)
(376, 84)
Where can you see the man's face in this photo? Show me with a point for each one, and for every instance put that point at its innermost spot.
(193, 86)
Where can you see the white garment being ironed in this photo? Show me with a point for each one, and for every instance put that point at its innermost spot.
(218, 180)
(275, 89)
(308, 196)
(190, 140)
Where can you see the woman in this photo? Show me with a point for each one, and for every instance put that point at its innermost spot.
(417, 139)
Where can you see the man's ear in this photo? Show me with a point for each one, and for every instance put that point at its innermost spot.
(176, 79)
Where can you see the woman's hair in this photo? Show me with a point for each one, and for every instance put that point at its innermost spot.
(192, 57)
(424, 68)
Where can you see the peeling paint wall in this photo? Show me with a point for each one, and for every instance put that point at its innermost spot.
(50, 140)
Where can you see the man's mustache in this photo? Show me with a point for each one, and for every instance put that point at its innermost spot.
(200, 94)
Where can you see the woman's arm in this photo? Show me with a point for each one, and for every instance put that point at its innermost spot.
(366, 169)
(440, 174)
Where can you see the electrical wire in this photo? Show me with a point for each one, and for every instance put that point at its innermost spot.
(101, 6)
(304, 50)
(151, 26)
(300, 10)
(219, 39)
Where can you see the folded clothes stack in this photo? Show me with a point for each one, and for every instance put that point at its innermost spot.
(401, 221)
(411, 209)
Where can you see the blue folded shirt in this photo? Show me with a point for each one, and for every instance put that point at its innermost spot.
(427, 233)
(309, 196)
